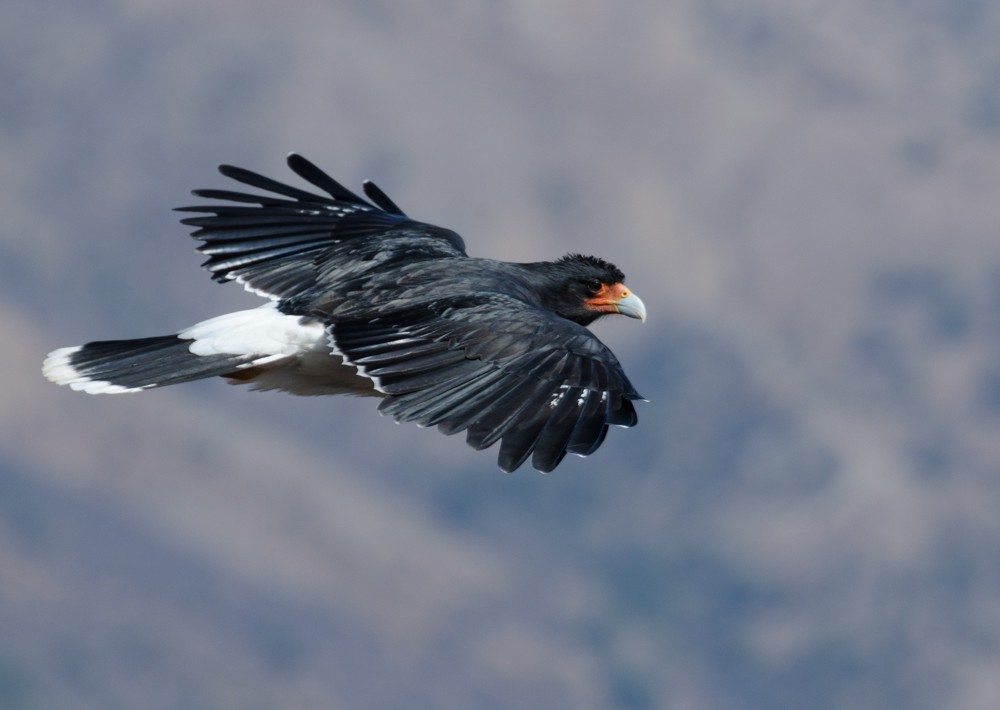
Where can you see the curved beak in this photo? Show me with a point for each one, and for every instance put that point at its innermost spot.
(632, 306)
(617, 298)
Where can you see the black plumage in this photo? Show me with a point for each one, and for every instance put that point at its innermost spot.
(496, 349)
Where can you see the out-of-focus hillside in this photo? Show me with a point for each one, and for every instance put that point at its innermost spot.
(803, 194)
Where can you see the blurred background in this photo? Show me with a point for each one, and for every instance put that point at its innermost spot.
(804, 193)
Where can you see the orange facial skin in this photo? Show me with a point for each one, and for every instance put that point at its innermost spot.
(609, 299)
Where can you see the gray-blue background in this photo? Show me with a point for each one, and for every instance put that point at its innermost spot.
(806, 195)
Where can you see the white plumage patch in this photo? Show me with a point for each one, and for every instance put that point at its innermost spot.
(260, 331)
(295, 352)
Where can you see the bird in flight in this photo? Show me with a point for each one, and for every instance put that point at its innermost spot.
(366, 301)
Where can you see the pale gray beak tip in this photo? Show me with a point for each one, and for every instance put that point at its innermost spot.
(633, 307)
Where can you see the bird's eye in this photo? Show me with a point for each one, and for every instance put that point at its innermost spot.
(594, 286)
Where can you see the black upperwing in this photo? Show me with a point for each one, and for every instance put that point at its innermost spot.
(497, 368)
(272, 245)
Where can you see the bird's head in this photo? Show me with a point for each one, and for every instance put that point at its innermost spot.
(586, 288)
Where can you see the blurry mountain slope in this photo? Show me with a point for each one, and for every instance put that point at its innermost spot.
(804, 195)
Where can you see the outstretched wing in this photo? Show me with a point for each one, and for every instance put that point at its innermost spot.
(272, 244)
(498, 369)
